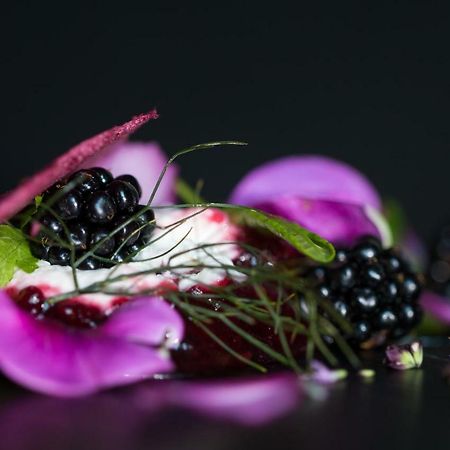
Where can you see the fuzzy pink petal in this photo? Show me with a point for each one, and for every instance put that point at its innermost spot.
(50, 358)
(143, 160)
(436, 305)
(309, 177)
(340, 223)
(251, 402)
(20, 197)
(149, 321)
(324, 375)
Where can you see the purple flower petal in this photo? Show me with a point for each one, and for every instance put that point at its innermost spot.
(143, 160)
(338, 222)
(147, 321)
(436, 305)
(51, 358)
(307, 177)
(251, 402)
(323, 375)
(70, 161)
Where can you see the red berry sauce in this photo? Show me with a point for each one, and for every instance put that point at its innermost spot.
(73, 312)
(200, 355)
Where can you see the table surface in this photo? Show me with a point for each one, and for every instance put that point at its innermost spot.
(395, 410)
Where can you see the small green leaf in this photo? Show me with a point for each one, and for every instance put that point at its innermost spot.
(396, 219)
(303, 240)
(186, 193)
(38, 200)
(14, 253)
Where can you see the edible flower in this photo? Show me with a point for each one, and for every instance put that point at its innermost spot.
(404, 357)
(133, 343)
(52, 358)
(321, 194)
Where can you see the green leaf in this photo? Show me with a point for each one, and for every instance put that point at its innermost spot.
(38, 200)
(303, 240)
(186, 193)
(396, 219)
(14, 253)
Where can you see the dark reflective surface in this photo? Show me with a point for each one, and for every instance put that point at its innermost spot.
(396, 410)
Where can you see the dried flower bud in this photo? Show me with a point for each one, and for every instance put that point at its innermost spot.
(404, 357)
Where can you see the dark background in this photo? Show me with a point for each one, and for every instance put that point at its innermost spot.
(369, 85)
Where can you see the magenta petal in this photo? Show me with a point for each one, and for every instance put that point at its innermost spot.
(53, 359)
(308, 177)
(338, 222)
(436, 305)
(323, 375)
(148, 321)
(20, 197)
(251, 402)
(143, 160)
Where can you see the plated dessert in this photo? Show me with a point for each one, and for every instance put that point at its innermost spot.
(113, 270)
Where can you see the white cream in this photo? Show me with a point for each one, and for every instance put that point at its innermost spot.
(177, 247)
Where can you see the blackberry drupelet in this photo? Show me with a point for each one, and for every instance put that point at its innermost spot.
(86, 208)
(373, 288)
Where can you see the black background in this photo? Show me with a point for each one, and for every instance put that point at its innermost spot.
(366, 84)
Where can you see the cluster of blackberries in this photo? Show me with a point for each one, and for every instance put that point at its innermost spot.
(88, 206)
(374, 289)
(439, 267)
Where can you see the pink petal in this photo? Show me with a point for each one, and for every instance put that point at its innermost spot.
(149, 321)
(143, 160)
(21, 196)
(53, 359)
(436, 305)
(251, 402)
(340, 223)
(324, 375)
(308, 177)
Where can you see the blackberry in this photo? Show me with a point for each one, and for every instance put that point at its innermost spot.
(128, 233)
(78, 235)
(124, 195)
(104, 176)
(146, 222)
(51, 225)
(107, 247)
(69, 206)
(59, 256)
(132, 180)
(373, 288)
(86, 181)
(85, 209)
(100, 208)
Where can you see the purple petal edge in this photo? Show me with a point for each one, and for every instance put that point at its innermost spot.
(436, 305)
(144, 160)
(308, 177)
(247, 401)
(338, 222)
(149, 321)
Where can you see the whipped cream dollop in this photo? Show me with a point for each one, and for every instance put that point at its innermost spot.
(184, 241)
